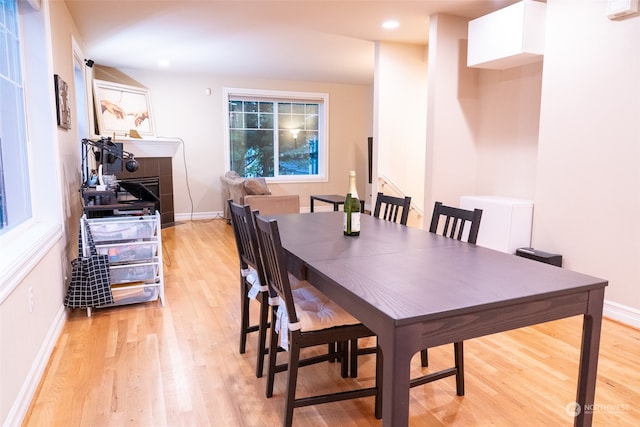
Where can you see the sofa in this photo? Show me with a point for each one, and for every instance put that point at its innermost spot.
(255, 193)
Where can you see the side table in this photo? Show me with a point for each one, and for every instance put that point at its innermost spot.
(335, 199)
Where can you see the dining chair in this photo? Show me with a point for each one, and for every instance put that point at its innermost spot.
(455, 221)
(252, 281)
(391, 206)
(305, 317)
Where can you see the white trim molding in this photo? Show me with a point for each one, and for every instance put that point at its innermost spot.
(30, 386)
(622, 313)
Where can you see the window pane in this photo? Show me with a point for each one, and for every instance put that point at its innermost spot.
(296, 121)
(251, 120)
(311, 122)
(312, 109)
(266, 121)
(250, 107)
(235, 105)
(15, 198)
(284, 121)
(235, 120)
(266, 107)
(252, 152)
(284, 107)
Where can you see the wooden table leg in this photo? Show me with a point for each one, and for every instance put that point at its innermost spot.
(397, 352)
(591, 328)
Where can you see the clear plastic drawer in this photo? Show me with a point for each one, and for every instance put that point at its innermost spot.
(134, 295)
(135, 251)
(137, 229)
(146, 272)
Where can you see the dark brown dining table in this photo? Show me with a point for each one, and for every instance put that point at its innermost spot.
(418, 290)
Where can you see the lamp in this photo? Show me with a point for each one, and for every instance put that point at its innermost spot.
(107, 148)
(294, 133)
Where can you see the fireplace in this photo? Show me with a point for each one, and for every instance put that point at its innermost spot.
(154, 157)
(147, 189)
(156, 174)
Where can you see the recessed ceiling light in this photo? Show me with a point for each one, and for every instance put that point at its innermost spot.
(390, 25)
(163, 63)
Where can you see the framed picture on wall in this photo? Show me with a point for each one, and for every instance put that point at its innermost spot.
(63, 108)
(121, 109)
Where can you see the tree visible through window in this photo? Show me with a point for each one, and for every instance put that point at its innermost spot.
(279, 136)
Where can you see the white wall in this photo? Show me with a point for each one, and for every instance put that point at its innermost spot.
(452, 115)
(400, 110)
(587, 191)
(183, 110)
(507, 132)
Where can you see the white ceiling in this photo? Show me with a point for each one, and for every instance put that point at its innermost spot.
(327, 40)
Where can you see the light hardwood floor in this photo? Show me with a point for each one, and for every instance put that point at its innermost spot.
(178, 365)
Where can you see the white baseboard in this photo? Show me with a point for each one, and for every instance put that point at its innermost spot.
(198, 216)
(27, 391)
(621, 313)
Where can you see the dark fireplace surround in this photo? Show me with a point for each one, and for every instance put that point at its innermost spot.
(161, 168)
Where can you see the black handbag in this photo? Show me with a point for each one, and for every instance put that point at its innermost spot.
(90, 284)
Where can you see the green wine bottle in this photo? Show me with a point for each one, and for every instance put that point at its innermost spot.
(351, 223)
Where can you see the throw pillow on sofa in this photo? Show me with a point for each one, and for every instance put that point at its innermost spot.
(256, 186)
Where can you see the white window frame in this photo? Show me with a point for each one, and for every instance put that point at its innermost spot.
(323, 128)
(24, 246)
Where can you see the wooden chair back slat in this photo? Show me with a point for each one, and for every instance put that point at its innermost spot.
(455, 221)
(393, 206)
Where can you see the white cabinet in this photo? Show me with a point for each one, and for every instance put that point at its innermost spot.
(134, 247)
(506, 222)
(509, 37)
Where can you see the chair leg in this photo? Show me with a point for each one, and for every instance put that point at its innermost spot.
(378, 399)
(244, 315)
(354, 358)
(294, 359)
(343, 347)
(332, 349)
(459, 358)
(262, 334)
(424, 358)
(273, 352)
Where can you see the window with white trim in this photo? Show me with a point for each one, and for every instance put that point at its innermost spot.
(15, 196)
(277, 135)
(31, 156)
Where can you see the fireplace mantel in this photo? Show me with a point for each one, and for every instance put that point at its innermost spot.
(150, 147)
